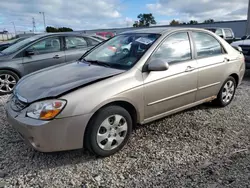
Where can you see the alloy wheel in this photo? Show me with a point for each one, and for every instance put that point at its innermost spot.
(7, 83)
(228, 91)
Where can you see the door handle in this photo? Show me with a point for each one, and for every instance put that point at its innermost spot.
(189, 69)
(226, 59)
(56, 57)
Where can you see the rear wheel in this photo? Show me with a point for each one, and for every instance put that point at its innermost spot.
(226, 93)
(8, 81)
(108, 131)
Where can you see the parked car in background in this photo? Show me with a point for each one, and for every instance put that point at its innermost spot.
(245, 37)
(38, 52)
(6, 44)
(106, 34)
(226, 33)
(97, 101)
(245, 46)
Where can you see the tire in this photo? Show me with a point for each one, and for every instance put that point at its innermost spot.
(221, 98)
(103, 135)
(8, 80)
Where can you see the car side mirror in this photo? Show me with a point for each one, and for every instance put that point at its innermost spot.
(157, 65)
(29, 52)
(238, 48)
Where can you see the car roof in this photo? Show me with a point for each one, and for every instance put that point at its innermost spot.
(217, 28)
(162, 30)
(60, 34)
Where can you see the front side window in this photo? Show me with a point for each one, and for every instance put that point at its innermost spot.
(48, 45)
(120, 54)
(175, 48)
(206, 45)
(18, 46)
(75, 43)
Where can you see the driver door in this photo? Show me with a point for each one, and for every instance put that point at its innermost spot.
(176, 87)
(47, 52)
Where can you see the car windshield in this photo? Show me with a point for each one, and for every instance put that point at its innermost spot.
(17, 46)
(122, 51)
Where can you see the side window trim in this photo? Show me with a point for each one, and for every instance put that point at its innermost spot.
(166, 37)
(195, 50)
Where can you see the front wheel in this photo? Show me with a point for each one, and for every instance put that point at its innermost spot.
(108, 131)
(226, 93)
(8, 80)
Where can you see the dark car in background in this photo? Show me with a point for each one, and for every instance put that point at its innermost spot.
(38, 52)
(245, 47)
(6, 44)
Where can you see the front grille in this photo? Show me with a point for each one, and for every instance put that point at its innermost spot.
(245, 49)
(17, 105)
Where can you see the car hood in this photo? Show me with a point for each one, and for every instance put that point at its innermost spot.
(50, 83)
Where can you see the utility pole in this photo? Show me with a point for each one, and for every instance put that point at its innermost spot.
(248, 19)
(43, 20)
(14, 27)
(34, 25)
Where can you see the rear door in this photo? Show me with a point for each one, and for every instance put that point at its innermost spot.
(211, 62)
(47, 52)
(75, 47)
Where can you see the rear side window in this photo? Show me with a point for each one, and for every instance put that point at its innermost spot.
(206, 45)
(228, 33)
(175, 48)
(92, 42)
(75, 43)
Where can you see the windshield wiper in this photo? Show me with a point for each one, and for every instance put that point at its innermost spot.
(97, 62)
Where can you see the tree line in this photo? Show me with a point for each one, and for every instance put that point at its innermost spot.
(50, 29)
(145, 20)
(176, 22)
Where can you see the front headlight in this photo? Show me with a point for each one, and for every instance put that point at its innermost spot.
(45, 110)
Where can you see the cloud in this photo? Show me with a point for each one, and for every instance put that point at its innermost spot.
(77, 14)
(220, 10)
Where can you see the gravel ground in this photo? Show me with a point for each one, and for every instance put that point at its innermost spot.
(201, 147)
